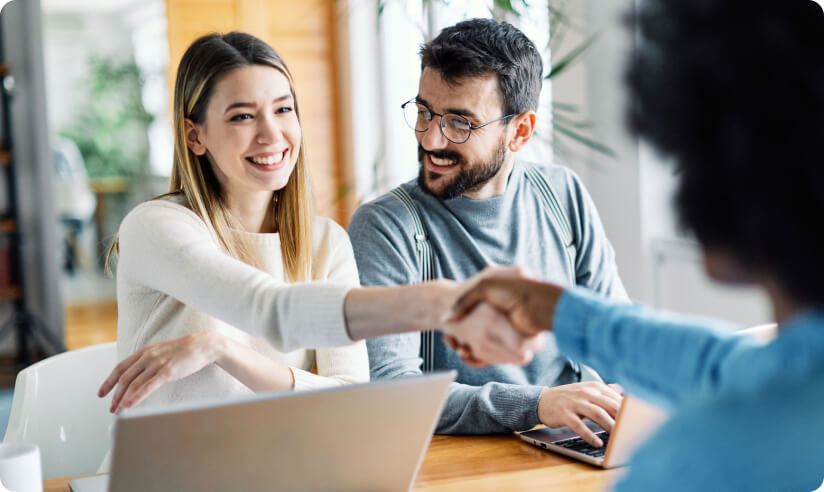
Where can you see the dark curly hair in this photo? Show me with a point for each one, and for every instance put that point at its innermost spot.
(479, 47)
(734, 92)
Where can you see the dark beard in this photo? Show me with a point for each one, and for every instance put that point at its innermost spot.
(468, 179)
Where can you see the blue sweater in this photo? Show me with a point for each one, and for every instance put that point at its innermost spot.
(746, 416)
(467, 236)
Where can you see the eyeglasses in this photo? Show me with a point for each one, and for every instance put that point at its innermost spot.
(455, 128)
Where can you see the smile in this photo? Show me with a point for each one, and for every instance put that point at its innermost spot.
(437, 161)
(268, 159)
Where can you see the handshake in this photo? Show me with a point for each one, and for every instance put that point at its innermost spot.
(500, 316)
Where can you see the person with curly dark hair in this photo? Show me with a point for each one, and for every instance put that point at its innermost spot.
(734, 93)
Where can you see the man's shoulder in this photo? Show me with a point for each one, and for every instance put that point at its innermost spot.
(387, 209)
(560, 177)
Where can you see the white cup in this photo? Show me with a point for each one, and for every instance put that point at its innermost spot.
(20, 467)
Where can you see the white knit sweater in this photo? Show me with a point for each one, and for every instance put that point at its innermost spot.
(174, 279)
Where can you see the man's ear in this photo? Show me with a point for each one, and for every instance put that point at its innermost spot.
(194, 139)
(524, 125)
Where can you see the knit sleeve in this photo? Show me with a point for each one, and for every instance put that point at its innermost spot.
(595, 265)
(165, 247)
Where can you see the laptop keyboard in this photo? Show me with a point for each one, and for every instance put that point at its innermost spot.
(578, 444)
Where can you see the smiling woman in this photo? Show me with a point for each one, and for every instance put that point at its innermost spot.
(239, 198)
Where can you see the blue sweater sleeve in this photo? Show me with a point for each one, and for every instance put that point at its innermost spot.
(660, 356)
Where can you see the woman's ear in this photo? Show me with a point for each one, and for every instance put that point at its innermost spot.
(194, 138)
(524, 124)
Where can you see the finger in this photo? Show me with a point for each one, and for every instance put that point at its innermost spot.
(597, 415)
(122, 388)
(579, 427)
(136, 383)
(126, 378)
(466, 303)
(498, 330)
(451, 341)
(617, 388)
(118, 370)
(507, 271)
(471, 361)
(493, 352)
(535, 343)
(144, 390)
(608, 400)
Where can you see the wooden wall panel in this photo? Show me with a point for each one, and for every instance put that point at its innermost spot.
(303, 34)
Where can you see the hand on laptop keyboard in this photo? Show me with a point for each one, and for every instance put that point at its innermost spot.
(578, 444)
(569, 404)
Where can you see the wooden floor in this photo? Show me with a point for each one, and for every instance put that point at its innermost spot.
(90, 323)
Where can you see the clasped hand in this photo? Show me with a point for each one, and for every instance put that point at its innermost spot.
(500, 317)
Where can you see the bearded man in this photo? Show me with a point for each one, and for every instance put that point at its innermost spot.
(474, 205)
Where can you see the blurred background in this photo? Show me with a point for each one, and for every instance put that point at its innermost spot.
(87, 135)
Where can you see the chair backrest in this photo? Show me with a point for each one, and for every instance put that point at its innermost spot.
(56, 407)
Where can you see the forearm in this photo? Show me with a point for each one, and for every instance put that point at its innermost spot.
(256, 371)
(489, 409)
(336, 367)
(662, 355)
(372, 312)
(185, 264)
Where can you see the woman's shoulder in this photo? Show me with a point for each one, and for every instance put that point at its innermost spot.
(326, 229)
(330, 241)
(156, 214)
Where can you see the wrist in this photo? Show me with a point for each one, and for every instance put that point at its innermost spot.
(220, 348)
(432, 304)
(544, 402)
(547, 297)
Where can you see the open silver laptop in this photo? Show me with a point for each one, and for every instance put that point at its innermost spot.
(636, 420)
(360, 437)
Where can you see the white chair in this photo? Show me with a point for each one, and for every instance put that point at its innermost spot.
(56, 407)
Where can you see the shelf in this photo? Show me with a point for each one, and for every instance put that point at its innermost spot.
(7, 226)
(5, 157)
(9, 293)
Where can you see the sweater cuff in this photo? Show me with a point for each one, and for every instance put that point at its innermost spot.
(322, 315)
(570, 323)
(305, 380)
(518, 409)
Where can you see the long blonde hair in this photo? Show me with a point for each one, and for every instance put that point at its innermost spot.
(204, 63)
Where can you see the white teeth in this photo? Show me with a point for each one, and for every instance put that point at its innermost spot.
(265, 161)
(441, 162)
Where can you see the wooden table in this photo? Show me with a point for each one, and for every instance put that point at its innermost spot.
(480, 463)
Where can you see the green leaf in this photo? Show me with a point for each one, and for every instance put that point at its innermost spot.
(584, 140)
(506, 5)
(562, 106)
(565, 62)
(558, 117)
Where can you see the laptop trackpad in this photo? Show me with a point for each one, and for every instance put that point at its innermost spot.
(550, 435)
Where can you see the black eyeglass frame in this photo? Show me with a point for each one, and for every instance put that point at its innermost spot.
(441, 123)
